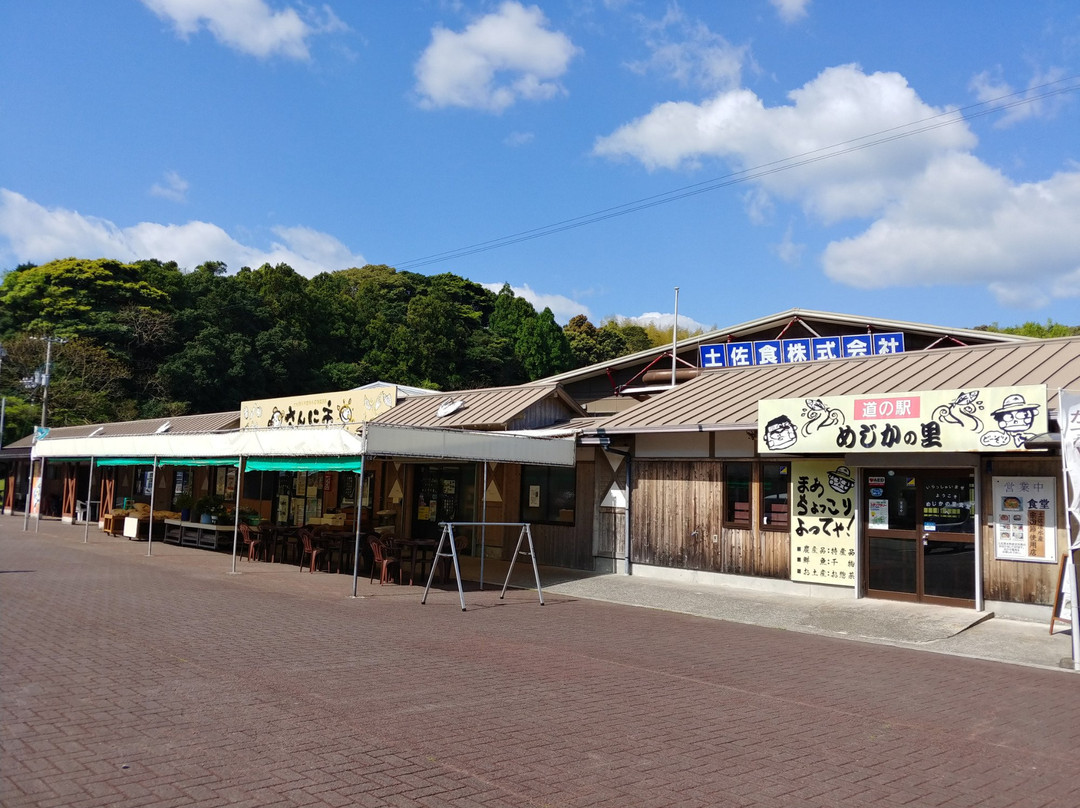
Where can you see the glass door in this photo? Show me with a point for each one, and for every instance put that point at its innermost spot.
(919, 535)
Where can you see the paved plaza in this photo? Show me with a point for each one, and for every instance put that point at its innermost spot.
(165, 680)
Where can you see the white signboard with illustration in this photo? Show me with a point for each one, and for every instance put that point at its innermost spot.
(1025, 518)
(823, 525)
(342, 409)
(989, 419)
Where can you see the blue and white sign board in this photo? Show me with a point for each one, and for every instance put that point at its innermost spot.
(792, 351)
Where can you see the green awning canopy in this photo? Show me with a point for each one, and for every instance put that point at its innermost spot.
(199, 461)
(305, 464)
(125, 461)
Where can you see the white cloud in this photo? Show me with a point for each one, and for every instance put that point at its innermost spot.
(790, 10)
(690, 53)
(561, 306)
(174, 188)
(962, 222)
(934, 213)
(789, 251)
(516, 139)
(991, 89)
(34, 233)
(664, 322)
(841, 106)
(249, 26)
(497, 60)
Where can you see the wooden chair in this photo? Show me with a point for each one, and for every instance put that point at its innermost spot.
(383, 561)
(311, 550)
(253, 544)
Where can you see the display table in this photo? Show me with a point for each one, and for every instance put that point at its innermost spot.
(197, 534)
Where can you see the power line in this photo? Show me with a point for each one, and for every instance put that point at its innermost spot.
(910, 129)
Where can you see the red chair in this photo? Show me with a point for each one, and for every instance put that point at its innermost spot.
(252, 543)
(311, 550)
(383, 561)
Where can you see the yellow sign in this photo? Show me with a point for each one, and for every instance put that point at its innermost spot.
(823, 525)
(342, 409)
(989, 419)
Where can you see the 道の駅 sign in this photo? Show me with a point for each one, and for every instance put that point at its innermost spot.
(988, 419)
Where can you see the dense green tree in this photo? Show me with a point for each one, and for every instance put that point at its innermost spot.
(542, 347)
(1039, 330)
(77, 297)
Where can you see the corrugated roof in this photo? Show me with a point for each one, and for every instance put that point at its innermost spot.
(778, 320)
(726, 399)
(177, 425)
(489, 408)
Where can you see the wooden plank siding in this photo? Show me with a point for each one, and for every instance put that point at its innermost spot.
(1019, 581)
(676, 509)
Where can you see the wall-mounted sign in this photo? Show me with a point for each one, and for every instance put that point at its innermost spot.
(805, 349)
(1025, 518)
(342, 409)
(823, 523)
(989, 419)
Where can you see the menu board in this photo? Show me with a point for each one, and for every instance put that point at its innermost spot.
(823, 523)
(1025, 518)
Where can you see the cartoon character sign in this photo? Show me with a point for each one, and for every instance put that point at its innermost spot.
(345, 411)
(780, 433)
(1015, 418)
(276, 417)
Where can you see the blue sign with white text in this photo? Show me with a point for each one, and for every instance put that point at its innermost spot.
(800, 349)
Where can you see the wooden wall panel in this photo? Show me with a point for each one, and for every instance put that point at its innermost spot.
(1019, 581)
(676, 513)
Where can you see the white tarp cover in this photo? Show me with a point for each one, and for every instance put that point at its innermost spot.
(391, 441)
(314, 441)
(460, 444)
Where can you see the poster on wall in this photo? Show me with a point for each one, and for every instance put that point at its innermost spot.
(823, 526)
(1025, 518)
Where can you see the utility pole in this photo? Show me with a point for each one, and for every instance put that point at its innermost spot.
(49, 341)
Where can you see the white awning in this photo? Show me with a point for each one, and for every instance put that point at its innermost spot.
(377, 439)
(314, 441)
(460, 444)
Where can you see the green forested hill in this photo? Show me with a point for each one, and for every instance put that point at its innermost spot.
(146, 339)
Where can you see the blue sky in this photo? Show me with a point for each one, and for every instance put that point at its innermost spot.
(916, 160)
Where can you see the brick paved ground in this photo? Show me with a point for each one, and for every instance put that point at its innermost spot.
(166, 681)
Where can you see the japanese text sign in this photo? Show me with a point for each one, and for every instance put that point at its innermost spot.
(822, 523)
(990, 419)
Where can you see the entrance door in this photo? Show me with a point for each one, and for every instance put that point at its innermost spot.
(919, 535)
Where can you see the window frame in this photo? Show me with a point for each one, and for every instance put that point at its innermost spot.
(763, 511)
(729, 511)
(531, 475)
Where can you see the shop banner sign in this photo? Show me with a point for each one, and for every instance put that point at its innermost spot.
(1025, 518)
(823, 524)
(342, 409)
(988, 419)
(1069, 418)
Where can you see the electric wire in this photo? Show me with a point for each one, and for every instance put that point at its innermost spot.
(899, 132)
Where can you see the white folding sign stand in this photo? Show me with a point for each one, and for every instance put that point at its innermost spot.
(448, 536)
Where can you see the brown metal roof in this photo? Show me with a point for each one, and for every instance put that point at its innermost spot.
(825, 322)
(726, 399)
(177, 425)
(489, 408)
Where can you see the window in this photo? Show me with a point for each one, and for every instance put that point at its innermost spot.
(774, 495)
(737, 494)
(548, 494)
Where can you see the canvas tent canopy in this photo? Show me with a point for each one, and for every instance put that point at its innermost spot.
(314, 442)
